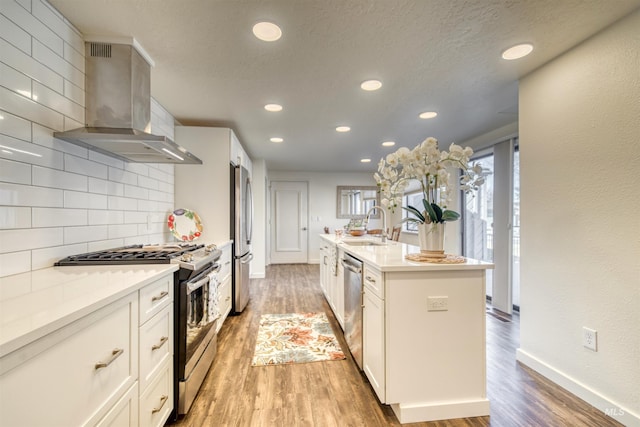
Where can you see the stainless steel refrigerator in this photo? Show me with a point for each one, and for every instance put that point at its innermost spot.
(241, 233)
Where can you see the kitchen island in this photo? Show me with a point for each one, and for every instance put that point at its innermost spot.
(423, 328)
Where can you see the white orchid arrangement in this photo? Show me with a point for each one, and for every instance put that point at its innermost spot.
(430, 167)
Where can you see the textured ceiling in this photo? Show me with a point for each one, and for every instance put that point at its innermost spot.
(431, 55)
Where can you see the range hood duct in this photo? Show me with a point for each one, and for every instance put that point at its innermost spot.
(118, 109)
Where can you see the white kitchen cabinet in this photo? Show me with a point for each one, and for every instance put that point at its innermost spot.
(105, 368)
(373, 341)
(238, 156)
(332, 278)
(81, 370)
(206, 188)
(224, 288)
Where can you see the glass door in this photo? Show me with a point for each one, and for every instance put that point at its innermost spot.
(478, 220)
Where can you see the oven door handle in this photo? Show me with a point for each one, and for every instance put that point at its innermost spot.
(196, 285)
(202, 278)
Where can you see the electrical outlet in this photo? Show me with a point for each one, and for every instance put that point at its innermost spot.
(437, 303)
(590, 338)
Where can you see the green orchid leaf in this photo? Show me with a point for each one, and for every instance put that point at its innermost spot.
(438, 210)
(432, 214)
(448, 215)
(416, 212)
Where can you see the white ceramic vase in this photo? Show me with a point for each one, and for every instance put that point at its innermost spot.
(431, 237)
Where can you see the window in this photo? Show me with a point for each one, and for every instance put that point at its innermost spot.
(411, 199)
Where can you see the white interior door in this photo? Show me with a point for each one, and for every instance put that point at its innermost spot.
(289, 232)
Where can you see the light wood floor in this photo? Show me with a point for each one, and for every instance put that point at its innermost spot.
(336, 393)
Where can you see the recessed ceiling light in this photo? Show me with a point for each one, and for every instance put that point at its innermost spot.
(388, 144)
(517, 51)
(267, 31)
(274, 108)
(371, 85)
(365, 160)
(343, 129)
(276, 139)
(428, 115)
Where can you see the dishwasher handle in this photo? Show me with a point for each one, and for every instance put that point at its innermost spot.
(351, 267)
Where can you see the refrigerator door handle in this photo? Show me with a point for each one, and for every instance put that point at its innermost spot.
(248, 259)
(249, 221)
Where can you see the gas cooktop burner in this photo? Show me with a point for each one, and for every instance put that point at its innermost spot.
(134, 254)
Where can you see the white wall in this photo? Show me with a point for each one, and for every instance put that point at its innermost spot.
(260, 194)
(67, 199)
(322, 201)
(580, 153)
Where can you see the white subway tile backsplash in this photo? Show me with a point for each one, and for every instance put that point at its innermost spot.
(122, 203)
(85, 167)
(27, 195)
(30, 238)
(15, 217)
(103, 217)
(46, 177)
(81, 200)
(106, 160)
(15, 35)
(56, 22)
(15, 172)
(15, 127)
(58, 102)
(24, 63)
(19, 150)
(57, 63)
(135, 217)
(64, 199)
(43, 258)
(14, 263)
(135, 192)
(74, 93)
(105, 244)
(149, 183)
(14, 80)
(74, 57)
(58, 217)
(123, 230)
(44, 136)
(32, 25)
(29, 109)
(84, 234)
(119, 175)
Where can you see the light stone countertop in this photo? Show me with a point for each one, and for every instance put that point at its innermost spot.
(391, 256)
(37, 303)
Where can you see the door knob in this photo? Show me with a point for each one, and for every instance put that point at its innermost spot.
(304, 228)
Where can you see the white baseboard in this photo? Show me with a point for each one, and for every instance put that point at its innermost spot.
(595, 399)
(260, 275)
(413, 413)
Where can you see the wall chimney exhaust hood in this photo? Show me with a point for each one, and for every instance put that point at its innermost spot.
(118, 109)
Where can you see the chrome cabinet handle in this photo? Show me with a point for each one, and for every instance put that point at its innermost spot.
(158, 297)
(227, 299)
(117, 352)
(163, 400)
(162, 341)
(371, 279)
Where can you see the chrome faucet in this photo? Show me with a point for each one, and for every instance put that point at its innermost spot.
(384, 221)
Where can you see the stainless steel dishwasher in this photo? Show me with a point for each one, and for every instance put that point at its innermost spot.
(353, 306)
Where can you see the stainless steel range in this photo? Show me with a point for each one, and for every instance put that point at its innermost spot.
(195, 306)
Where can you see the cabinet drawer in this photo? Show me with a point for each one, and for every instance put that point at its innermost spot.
(156, 403)
(77, 375)
(155, 296)
(125, 412)
(225, 263)
(224, 292)
(156, 344)
(372, 279)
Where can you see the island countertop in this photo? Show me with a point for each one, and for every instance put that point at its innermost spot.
(391, 255)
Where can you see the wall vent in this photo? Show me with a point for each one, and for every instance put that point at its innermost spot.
(101, 50)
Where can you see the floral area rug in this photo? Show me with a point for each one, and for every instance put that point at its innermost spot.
(295, 338)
